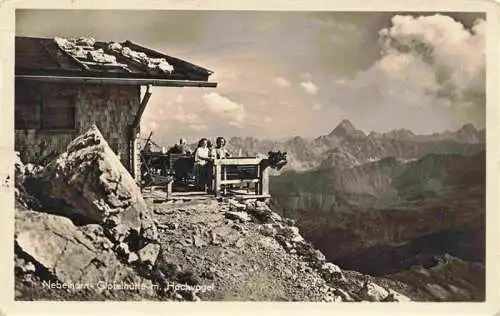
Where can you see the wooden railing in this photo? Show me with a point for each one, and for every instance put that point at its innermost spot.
(226, 172)
(240, 170)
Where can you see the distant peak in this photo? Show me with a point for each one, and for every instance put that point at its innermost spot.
(405, 131)
(468, 127)
(346, 128)
(346, 124)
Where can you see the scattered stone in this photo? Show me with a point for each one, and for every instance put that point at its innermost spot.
(24, 266)
(289, 222)
(287, 245)
(187, 241)
(292, 233)
(189, 295)
(178, 297)
(162, 226)
(235, 205)
(187, 277)
(372, 292)
(262, 213)
(345, 297)
(287, 272)
(122, 249)
(331, 272)
(170, 269)
(261, 205)
(112, 221)
(238, 216)
(171, 225)
(250, 201)
(238, 227)
(267, 230)
(132, 257)
(158, 211)
(239, 243)
(119, 233)
(198, 241)
(149, 253)
(208, 275)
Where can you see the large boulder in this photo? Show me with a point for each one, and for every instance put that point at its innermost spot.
(69, 254)
(88, 184)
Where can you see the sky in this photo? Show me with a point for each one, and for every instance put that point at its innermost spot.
(283, 74)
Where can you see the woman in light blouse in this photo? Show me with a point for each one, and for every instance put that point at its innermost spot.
(201, 164)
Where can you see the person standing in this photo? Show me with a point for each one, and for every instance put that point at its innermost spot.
(202, 164)
(220, 151)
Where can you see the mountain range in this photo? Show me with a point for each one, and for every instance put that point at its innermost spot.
(346, 146)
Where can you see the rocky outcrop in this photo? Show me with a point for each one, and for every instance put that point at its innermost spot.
(88, 184)
(82, 258)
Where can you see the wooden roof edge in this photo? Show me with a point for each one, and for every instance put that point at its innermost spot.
(119, 81)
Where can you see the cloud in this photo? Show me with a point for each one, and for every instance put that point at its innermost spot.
(223, 107)
(184, 117)
(309, 87)
(198, 127)
(452, 56)
(432, 70)
(282, 82)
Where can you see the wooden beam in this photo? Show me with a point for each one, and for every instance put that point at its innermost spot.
(142, 107)
(264, 180)
(238, 181)
(237, 161)
(217, 179)
(251, 196)
(119, 81)
(188, 193)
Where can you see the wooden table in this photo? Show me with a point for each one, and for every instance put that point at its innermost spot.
(260, 177)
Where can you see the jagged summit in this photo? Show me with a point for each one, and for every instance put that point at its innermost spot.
(468, 133)
(347, 129)
(468, 127)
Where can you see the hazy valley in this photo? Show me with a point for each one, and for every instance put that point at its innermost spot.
(398, 205)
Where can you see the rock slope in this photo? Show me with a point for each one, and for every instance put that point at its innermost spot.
(247, 252)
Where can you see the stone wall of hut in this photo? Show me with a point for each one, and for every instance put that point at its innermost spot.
(111, 107)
